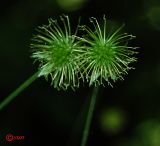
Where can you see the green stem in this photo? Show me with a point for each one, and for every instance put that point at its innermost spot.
(23, 86)
(89, 116)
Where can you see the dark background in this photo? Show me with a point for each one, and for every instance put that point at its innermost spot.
(46, 116)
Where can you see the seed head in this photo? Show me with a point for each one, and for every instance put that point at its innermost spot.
(107, 57)
(57, 51)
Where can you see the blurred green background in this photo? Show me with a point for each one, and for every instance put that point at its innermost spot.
(50, 117)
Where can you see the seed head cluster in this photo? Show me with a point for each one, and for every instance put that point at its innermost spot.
(107, 56)
(66, 58)
(58, 53)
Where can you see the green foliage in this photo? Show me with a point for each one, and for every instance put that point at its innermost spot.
(67, 58)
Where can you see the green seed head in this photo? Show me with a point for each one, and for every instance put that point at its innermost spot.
(57, 51)
(107, 57)
(66, 58)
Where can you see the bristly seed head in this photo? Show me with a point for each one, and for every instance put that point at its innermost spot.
(57, 51)
(66, 58)
(106, 57)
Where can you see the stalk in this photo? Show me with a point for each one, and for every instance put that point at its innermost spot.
(89, 116)
(17, 91)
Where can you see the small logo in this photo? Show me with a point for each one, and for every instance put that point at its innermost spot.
(10, 137)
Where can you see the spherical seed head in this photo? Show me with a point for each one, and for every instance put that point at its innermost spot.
(56, 49)
(107, 57)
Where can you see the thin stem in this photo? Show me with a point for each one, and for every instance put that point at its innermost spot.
(89, 116)
(16, 92)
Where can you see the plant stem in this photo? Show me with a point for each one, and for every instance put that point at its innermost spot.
(16, 92)
(89, 116)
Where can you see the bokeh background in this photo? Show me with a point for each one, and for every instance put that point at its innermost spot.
(126, 115)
